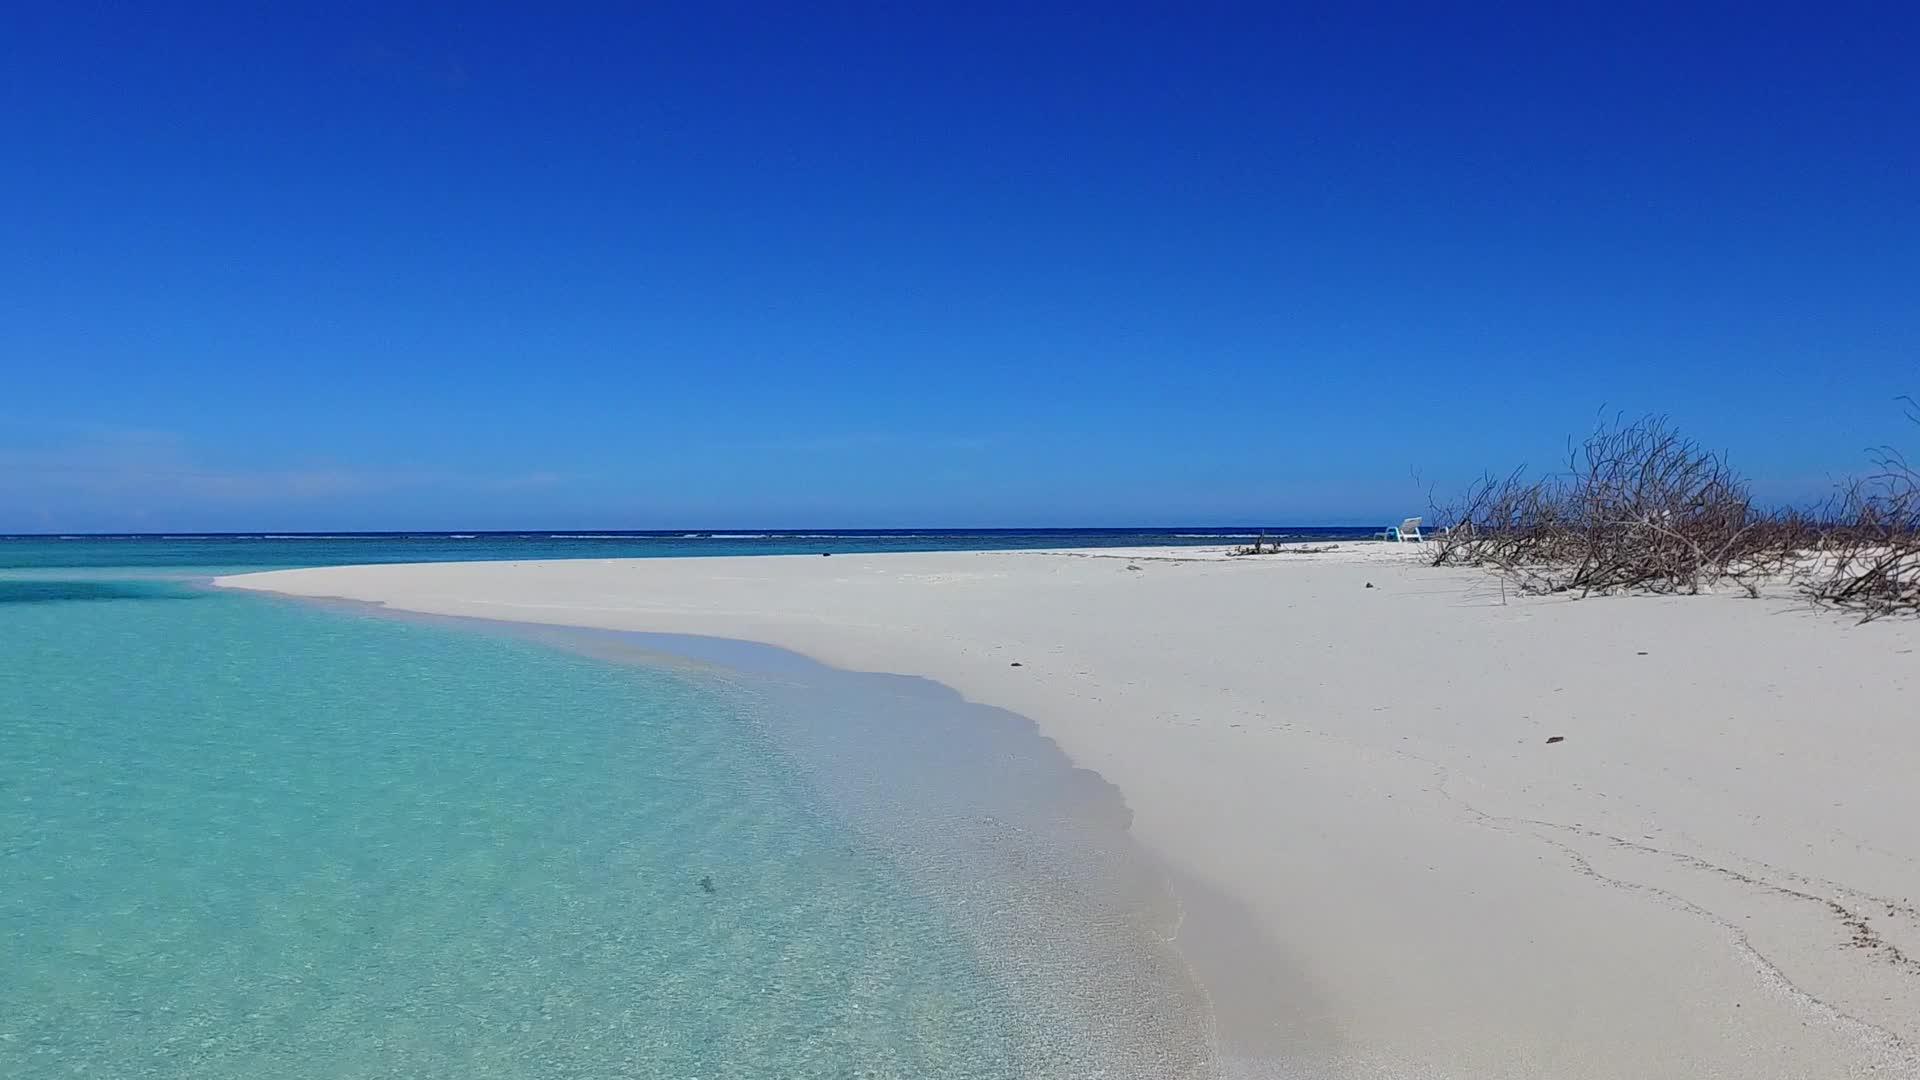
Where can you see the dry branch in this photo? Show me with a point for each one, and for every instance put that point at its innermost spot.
(1638, 508)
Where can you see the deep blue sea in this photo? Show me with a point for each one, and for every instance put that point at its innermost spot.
(245, 836)
(232, 552)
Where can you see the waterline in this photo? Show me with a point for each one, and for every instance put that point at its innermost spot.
(1025, 855)
(248, 836)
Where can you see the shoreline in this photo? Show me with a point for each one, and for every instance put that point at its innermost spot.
(1126, 908)
(1449, 900)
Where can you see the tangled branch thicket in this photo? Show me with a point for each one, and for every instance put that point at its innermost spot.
(1640, 507)
(1870, 561)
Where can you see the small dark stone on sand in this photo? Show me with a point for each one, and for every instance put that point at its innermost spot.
(1551, 739)
(1640, 654)
(826, 554)
(1369, 584)
(706, 884)
(1016, 663)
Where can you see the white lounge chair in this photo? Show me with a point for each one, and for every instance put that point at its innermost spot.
(1407, 532)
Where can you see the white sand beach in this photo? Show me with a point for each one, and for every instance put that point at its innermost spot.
(1434, 831)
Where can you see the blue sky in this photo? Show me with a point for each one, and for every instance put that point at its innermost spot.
(388, 266)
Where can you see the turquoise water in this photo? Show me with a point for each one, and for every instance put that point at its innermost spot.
(245, 837)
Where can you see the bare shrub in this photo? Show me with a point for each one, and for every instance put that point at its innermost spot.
(1868, 558)
(1639, 507)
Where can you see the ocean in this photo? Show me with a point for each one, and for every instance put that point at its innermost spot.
(245, 836)
(210, 553)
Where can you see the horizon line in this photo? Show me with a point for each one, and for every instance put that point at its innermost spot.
(732, 532)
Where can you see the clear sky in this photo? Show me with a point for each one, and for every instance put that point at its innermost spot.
(391, 266)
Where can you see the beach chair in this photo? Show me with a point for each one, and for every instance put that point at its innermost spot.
(1407, 531)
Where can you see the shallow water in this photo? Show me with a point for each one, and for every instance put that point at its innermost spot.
(243, 836)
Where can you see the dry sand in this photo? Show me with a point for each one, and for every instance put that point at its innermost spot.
(1715, 872)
